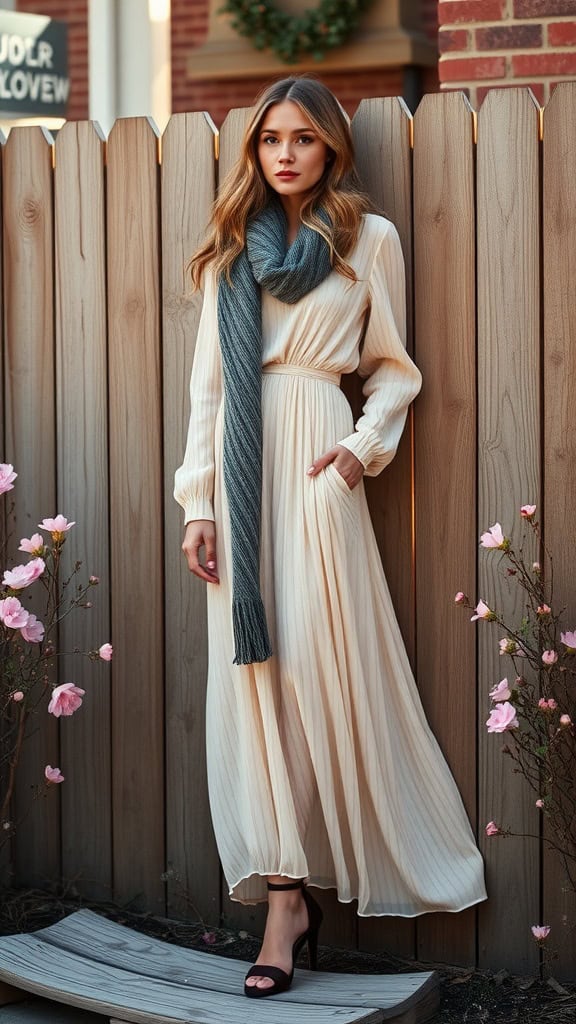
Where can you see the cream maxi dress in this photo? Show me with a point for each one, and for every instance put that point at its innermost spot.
(320, 761)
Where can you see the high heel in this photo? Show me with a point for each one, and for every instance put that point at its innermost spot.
(282, 980)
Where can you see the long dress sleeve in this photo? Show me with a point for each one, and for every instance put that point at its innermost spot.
(194, 480)
(392, 379)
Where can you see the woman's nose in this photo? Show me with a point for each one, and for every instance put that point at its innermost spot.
(286, 154)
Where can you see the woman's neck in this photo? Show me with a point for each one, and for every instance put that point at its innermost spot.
(292, 206)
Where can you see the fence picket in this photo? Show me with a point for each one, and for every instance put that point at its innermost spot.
(82, 459)
(188, 176)
(30, 438)
(136, 512)
(381, 130)
(445, 443)
(509, 476)
(559, 373)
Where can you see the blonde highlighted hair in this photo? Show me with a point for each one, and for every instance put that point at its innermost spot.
(245, 192)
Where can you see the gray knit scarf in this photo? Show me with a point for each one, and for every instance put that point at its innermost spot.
(288, 274)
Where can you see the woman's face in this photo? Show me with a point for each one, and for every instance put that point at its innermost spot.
(292, 156)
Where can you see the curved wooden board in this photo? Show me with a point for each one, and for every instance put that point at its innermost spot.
(135, 394)
(559, 500)
(188, 178)
(508, 476)
(445, 459)
(82, 481)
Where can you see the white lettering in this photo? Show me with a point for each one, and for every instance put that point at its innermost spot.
(45, 54)
(47, 89)
(5, 93)
(19, 85)
(16, 50)
(30, 43)
(34, 85)
(61, 89)
(3, 47)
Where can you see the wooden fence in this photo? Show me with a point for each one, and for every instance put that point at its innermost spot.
(98, 333)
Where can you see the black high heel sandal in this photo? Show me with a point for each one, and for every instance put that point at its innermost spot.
(282, 980)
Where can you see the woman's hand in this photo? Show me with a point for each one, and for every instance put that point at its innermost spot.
(201, 533)
(350, 468)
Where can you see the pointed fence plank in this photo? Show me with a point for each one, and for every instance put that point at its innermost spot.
(188, 177)
(559, 369)
(82, 455)
(136, 512)
(381, 131)
(30, 442)
(445, 448)
(509, 476)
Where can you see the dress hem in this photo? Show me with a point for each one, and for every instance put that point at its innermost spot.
(315, 885)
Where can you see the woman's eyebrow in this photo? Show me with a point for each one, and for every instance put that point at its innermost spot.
(295, 131)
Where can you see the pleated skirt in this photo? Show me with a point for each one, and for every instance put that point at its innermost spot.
(321, 764)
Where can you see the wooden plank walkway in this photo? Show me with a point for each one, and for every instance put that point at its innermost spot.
(95, 964)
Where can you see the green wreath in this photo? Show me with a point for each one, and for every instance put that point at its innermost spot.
(326, 26)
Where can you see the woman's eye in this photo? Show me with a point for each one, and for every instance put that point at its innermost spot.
(306, 138)
(270, 138)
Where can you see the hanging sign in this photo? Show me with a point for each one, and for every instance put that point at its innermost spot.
(33, 65)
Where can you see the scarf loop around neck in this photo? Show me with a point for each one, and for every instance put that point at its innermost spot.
(288, 274)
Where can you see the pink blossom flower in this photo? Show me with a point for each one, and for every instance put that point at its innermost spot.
(549, 657)
(66, 699)
(209, 938)
(536, 567)
(565, 721)
(547, 705)
(540, 931)
(502, 717)
(539, 804)
(57, 527)
(501, 691)
(12, 614)
(17, 696)
(33, 631)
(93, 581)
(33, 545)
(483, 612)
(527, 511)
(543, 609)
(492, 829)
(7, 477)
(494, 538)
(569, 640)
(105, 652)
(23, 575)
(460, 598)
(53, 774)
(508, 646)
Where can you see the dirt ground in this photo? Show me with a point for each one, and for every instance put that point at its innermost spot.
(468, 997)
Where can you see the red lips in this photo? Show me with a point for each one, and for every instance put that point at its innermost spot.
(286, 174)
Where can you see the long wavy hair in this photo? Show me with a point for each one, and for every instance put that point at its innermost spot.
(245, 192)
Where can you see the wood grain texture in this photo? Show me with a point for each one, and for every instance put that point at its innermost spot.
(508, 476)
(89, 945)
(445, 449)
(187, 176)
(135, 392)
(381, 130)
(559, 369)
(30, 442)
(82, 457)
(41, 1011)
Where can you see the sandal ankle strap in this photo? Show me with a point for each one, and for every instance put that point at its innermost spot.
(286, 885)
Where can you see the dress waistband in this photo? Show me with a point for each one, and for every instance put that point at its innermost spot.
(302, 371)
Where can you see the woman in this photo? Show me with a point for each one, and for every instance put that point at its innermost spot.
(321, 765)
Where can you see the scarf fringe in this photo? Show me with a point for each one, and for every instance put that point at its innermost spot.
(251, 641)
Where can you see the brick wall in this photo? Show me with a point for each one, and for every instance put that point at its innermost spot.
(189, 29)
(487, 43)
(75, 12)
